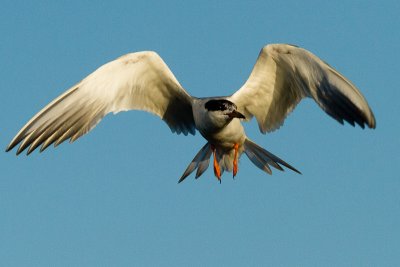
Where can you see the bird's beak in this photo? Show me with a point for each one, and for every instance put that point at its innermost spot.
(236, 114)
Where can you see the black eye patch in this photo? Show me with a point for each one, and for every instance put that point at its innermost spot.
(218, 104)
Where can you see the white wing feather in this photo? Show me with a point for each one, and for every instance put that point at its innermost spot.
(284, 74)
(140, 81)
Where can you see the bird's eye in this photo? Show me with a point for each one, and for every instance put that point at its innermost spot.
(218, 104)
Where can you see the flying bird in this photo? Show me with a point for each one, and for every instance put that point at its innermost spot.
(282, 76)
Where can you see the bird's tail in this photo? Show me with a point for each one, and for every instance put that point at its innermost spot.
(264, 159)
(200, 162)
(258, 155)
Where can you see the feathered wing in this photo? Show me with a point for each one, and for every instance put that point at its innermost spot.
(137, 81)
(284, 74)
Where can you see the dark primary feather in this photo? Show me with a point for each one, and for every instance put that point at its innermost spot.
(340, 107)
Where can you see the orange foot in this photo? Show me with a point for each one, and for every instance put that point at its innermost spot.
(217, 170)
(235, 160)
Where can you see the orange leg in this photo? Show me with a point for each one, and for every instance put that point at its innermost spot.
(235, 160)
(217, 170)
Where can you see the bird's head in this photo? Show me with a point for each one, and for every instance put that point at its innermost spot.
(222, 111)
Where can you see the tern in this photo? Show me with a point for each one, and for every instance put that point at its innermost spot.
(283, 75)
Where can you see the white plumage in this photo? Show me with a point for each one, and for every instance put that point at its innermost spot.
(282, 76)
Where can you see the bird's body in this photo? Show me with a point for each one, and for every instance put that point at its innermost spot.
(222, 136)
(281, 77)
(225, 133)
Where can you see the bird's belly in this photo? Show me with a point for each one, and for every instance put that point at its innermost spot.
(226, 137)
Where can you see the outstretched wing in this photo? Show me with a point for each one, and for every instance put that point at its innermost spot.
(137, 81)
(284, 74)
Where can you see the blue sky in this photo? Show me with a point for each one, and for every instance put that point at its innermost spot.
(112, 197)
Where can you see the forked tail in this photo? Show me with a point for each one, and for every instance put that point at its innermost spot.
(200, 162)
(258, 155)
(263, 159)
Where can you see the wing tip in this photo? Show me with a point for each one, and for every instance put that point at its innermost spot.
(8, 148)
(13, 143)
(372, 121)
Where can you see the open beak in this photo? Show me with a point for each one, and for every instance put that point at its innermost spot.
(236, 114)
